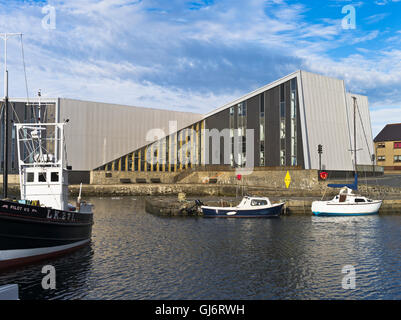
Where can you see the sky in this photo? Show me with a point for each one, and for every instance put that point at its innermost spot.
(199, 55)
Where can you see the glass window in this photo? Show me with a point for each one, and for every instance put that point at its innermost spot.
(54, 177)
(123, 163)
(258, 203)
(381, 158)
(42, 177)
(397, 158)
(30, 177)
(397, 145)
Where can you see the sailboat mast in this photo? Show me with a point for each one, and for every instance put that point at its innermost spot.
(5, 36)
(5, 123)
(355, 134)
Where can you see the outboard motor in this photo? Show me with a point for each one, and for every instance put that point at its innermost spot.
(199, 203)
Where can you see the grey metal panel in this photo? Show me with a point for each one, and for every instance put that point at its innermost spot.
(304, 125)
(326, 121)
(272, 132)
(100, 132)
(219, 121)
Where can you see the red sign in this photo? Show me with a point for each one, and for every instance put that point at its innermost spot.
(324, 175)
(239, 177)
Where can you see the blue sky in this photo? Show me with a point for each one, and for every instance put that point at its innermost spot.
(198, 55)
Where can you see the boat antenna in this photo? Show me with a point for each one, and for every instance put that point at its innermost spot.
(5, 37)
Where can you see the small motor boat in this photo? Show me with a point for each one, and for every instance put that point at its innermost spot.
(254, 207)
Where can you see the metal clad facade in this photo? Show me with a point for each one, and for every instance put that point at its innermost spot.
(326, 119)
(99, 132)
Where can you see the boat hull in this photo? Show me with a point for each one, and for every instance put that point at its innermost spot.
(215, 212)
(322, 208)
(30, 233)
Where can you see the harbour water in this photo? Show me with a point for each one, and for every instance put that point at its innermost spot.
(136, 255)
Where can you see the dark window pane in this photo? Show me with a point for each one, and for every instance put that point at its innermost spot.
(54, 177)
(30, 177)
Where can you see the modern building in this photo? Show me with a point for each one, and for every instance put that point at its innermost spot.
(96, 133)
(278, 125)
(388, 147)
(286, 119)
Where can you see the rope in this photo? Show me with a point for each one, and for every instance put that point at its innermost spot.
(367, 145)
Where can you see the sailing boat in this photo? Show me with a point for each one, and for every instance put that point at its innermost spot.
(42, 223)
(346, 203)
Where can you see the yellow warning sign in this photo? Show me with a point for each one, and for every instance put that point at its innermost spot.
(287, 179)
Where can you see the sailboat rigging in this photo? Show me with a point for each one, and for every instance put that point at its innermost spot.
(346, 203)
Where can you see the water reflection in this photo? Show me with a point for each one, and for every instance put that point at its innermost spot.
(135, 255)
(72, 273)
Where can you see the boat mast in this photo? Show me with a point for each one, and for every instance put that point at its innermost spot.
(354, 98)
(5, 37)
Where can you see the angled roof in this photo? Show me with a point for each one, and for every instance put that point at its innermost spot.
(391, 132)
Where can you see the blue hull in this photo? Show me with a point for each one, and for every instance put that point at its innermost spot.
(258, 213)
(329, 214)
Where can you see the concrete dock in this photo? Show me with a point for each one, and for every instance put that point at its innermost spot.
(168, 206)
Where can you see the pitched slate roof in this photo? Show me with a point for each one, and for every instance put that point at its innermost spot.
(391, 132)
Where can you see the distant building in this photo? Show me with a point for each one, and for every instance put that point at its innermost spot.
(388, 147)
(96, 132)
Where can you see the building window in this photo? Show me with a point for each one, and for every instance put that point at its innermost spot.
(282, 126)
(262, 130)
(381, 158)
(231, 122)
(167, 150)
(129, 162)
(142, 166)
(397, 145)
(123, 163)
(293, 84)
(242, 124)
(116, 164)
(109, 166)
(397, 158)
(381, 145)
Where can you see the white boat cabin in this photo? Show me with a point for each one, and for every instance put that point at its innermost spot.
(48, 185)
(42, 164)
(253, 202)
(347, 196)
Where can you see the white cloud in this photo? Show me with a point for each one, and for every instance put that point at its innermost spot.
(134, 52)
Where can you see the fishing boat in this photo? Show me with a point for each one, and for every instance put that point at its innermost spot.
(347, 203)
(41, 224)
(249, 207)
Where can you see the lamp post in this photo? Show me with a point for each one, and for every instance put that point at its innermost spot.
(320, 151)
